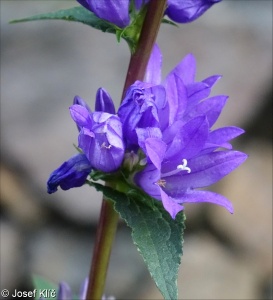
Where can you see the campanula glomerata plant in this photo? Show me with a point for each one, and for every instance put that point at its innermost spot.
(157, 151)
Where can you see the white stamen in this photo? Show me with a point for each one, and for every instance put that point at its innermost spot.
(179, 168)
(103, 145)
(184, 166)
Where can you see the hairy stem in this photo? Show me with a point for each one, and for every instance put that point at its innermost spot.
(109, 218)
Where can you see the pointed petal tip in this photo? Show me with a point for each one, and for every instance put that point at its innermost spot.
(153, 70)
(229, 207)
(173, 214)
(104, 102)
(212, 80)
(76, 99)
(190, 57)
(51, 190)
(170, 205)
(242, 155)
(236, 159)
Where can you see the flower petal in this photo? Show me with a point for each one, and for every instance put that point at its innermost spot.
(145, 133)
(80, 115)
(186, 69)
(184, 11)
(170, 132)
(172, 207)
(223, 135)
(188, 141)
(210, 81)
(101, 156)
(155, 149)
(147, 179)
(114, 133)
(139, 109)
(78, 100)
(103, 142)
(153, 70)
(197, 91)
(205, 170)
(211, 107)
(206, 196)
(176, 95)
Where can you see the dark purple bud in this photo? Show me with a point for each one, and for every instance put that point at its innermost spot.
(70, 174)
(104, 102)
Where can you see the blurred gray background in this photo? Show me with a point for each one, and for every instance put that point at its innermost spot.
(44, 65)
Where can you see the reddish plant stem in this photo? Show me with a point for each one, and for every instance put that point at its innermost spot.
(103, 244)
(108, 217)
(150, 28)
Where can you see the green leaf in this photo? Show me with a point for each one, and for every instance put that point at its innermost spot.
(157, 236)
(166, 21)
(83, 15)
(76, 14)
(42, 285)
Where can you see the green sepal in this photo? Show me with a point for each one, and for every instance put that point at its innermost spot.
(98, 175)
(158, 237)
(77, 148)
(166, 21)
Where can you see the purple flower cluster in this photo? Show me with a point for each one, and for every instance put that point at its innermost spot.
(171, 122)
(164, 130)
(117, 11)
